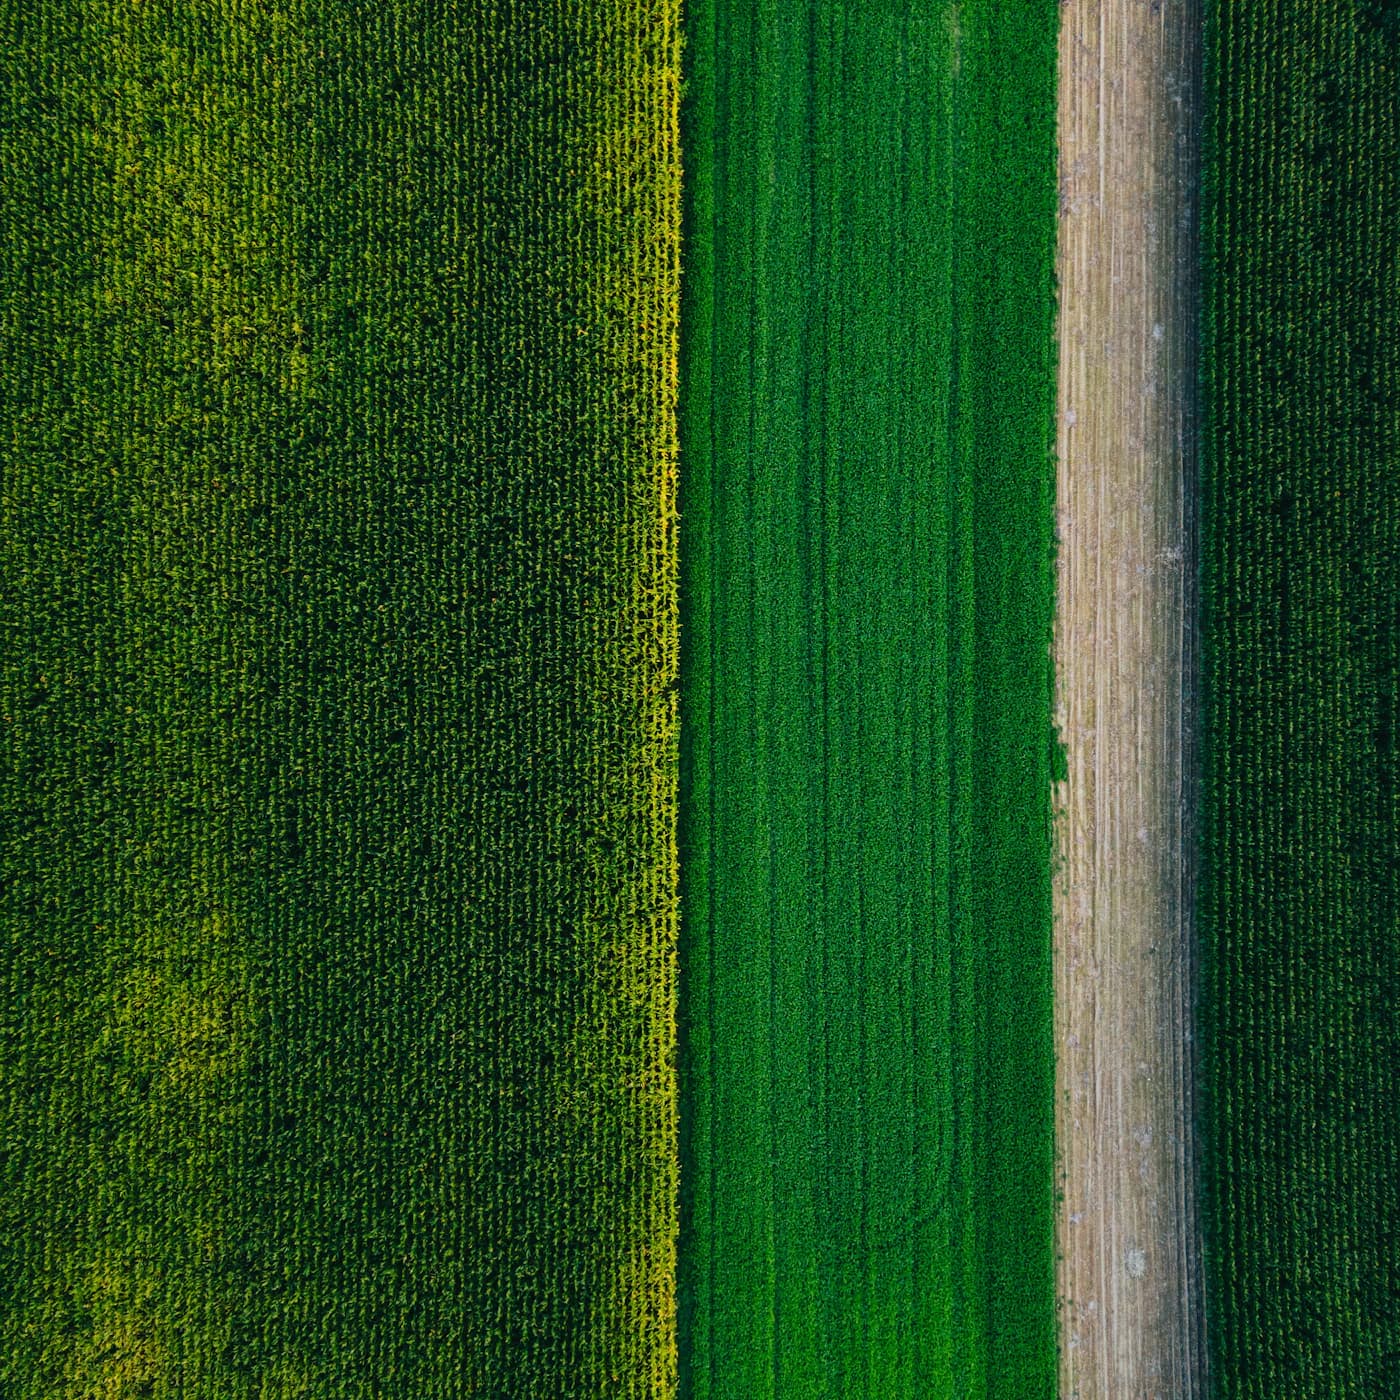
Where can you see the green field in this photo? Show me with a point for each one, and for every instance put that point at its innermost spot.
(337, 440)
(867, 584)
(1301, 907)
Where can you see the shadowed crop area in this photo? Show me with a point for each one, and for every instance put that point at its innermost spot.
(1301, 564)
(337, 437)
(867, 514)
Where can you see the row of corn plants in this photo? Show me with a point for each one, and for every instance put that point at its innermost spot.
(337, 427)
(1301, 514)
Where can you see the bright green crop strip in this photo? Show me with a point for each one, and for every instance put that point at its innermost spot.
(1300, 912)
(867, 506)
(337, 441)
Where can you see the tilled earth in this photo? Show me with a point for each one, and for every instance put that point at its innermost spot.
(1130, 1282)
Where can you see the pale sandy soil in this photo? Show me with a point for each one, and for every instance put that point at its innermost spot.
(1130, 1266)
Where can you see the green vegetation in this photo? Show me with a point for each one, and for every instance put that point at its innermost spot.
(337, 797)
(867, 586)
(1301, 905)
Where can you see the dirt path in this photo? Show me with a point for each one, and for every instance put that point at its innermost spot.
(1129, 1245)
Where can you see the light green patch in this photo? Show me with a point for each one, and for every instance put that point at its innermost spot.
(172, 1053)
(175, 1040)
(120, 1355)
(166, 1074)
(287, 1381)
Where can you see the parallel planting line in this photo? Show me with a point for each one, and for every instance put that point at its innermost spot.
(1301, 556)
(150, 367)
(337, 412)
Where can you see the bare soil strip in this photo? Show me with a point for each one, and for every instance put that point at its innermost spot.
(1130, 1279)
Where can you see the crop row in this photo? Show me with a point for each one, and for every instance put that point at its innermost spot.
(1301, 904)
(337, 394)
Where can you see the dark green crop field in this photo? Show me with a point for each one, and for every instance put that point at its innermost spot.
(337, 439)
(1301, 907)
(867, 522)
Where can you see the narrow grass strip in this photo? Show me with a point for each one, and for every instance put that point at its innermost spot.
(867, 494)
